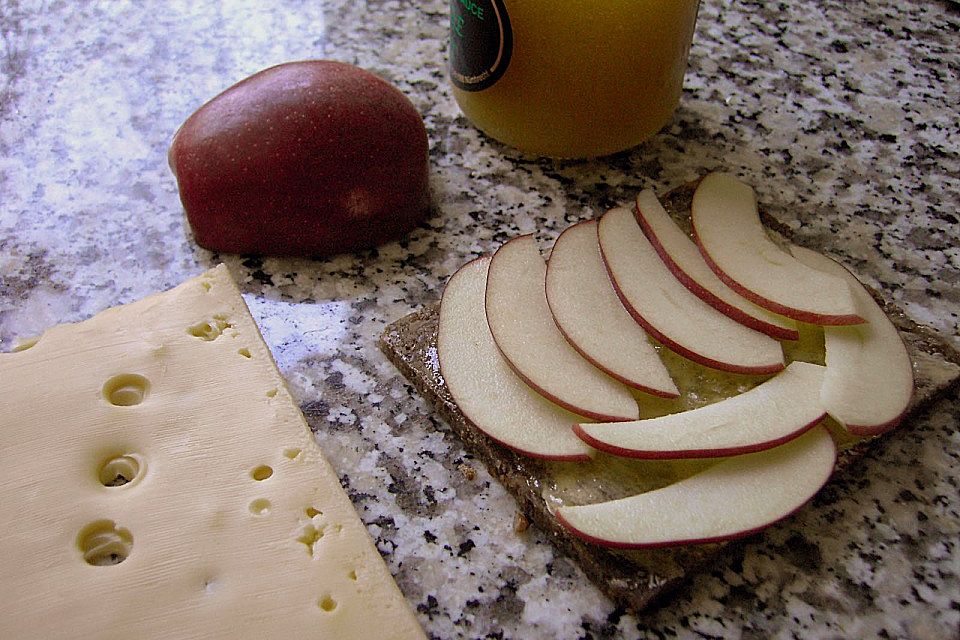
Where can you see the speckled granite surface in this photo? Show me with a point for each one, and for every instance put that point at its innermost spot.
(843, 115)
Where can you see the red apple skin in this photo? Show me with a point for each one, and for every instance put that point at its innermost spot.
(780, 333)
(590, 415)
(679, 349)
(539, 456)
(305, 158)
(770, 305)
(633, 384)
(691, 453)
(671, 543)
(515, 449)
(871, 430)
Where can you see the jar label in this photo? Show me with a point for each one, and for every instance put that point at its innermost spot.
(481, 42)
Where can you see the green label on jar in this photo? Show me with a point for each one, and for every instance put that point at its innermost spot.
(481, 42)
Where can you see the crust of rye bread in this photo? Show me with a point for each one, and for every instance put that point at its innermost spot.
(639, 579)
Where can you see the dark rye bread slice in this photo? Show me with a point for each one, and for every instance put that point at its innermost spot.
(635, 579)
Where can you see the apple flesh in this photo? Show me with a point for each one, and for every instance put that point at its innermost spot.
(734, 498)
(581, 299)
(515, 332)
(768, 415)
(670, 312)
(484, 386)
(305, 158)
(869, 380)
(524, 330)
(684, 260)
(732, 239)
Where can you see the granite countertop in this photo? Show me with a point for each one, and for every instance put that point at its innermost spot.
(844, 117)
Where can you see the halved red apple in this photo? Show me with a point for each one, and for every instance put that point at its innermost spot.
(732, 239)
(524, 330)
(670, 312)
(684, 260)
(589, 314)
(768, 415)
(869, 380)
(484, 386)
(734, 498)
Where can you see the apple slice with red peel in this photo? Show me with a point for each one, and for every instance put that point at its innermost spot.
(869, 380)
(731, 237)
(733, 498)
(670, 312)
(524, 330)
(582, 299)
(484, 386)
(768, 415)
(684, 260)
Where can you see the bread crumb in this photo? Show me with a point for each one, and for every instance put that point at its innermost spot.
(520, 523)
(468, 472)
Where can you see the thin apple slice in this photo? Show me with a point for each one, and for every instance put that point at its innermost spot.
(731, 237)
(582, 298)
(524, 330)
(778, 410)
(670, 312)
(484, 386)
(734, 498)
(684, 260)
(869, 380)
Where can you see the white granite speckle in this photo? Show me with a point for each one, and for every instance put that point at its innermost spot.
(843, 115)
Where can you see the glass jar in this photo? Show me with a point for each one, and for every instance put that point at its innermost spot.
(570, 79)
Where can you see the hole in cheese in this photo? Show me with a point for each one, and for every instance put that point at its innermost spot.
(352, 575)
(261, 473)
(260, 507)
(271, 393)
(24, 344)
(210, 330)
(309, 537)
(292, 453)
(312, 513)
(103, 543)
(327, 603)
(119, 470)
(126, 389)
(244, 352)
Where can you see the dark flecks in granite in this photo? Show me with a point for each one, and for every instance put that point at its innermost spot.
(800, 552)
(429, 608)
(316, 412)
(35, 271)
(13, 62)
(842, 116)
(413, 497)
(509, 606)
(255, 265)
(29, 271)
(593, 630)
(465, 547)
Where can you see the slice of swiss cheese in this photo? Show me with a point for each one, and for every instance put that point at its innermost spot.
(232, 525)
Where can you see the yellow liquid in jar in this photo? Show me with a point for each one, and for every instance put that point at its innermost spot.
(585, 78)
